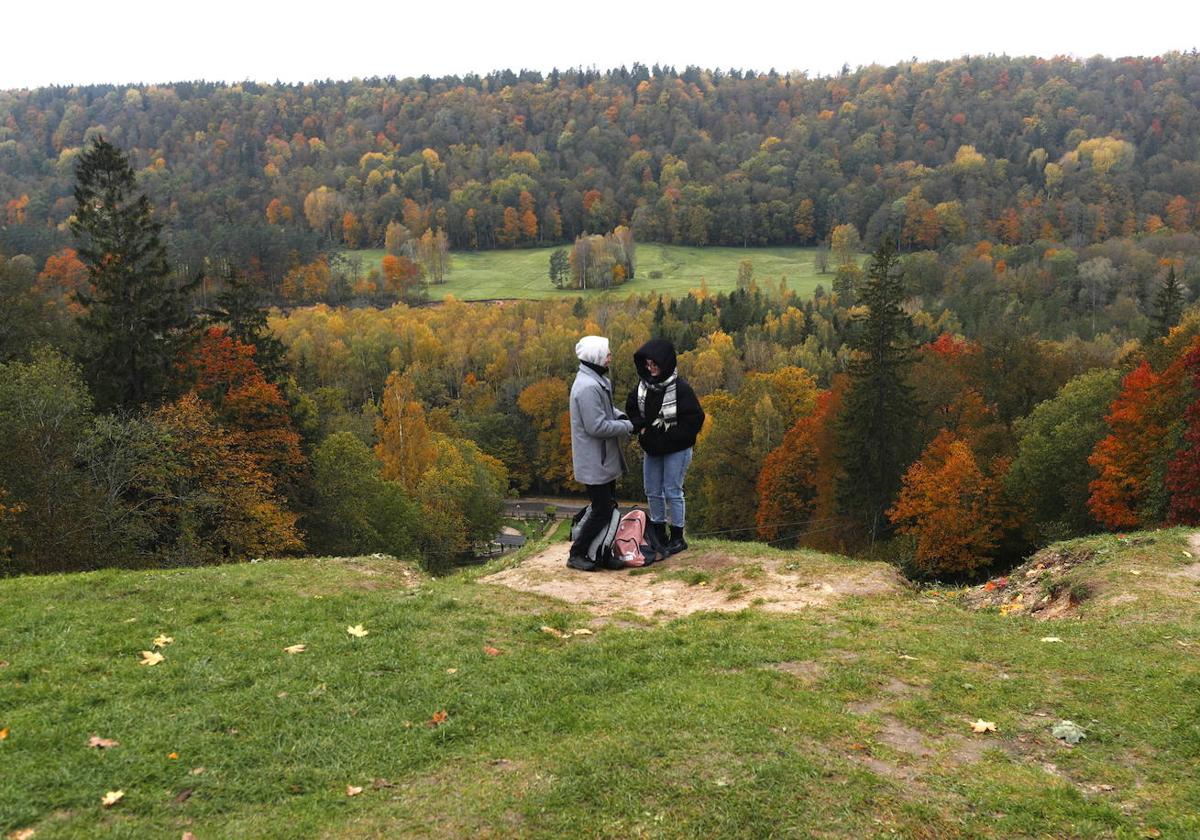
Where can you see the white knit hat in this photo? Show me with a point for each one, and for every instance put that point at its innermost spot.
(592, 348)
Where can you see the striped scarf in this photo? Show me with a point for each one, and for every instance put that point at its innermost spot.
(666, 415)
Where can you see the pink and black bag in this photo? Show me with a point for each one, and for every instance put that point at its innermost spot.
(633, 546)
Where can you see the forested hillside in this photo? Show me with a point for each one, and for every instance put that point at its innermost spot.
(1018, 361)
(1007, 149)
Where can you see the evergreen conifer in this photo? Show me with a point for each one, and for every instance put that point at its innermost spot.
(876, 429)
(137, 319)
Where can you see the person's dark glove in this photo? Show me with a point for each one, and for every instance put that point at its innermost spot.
(639, 423)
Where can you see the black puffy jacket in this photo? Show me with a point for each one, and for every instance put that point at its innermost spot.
(689, 416)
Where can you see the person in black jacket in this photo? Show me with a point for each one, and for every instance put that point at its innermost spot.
(665, 410)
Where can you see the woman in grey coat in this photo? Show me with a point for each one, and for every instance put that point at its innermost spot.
(597, 432)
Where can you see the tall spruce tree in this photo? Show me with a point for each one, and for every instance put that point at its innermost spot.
(1168, 304)
(876, 431)
(137, 319)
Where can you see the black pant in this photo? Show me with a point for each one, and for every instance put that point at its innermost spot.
(603, 499)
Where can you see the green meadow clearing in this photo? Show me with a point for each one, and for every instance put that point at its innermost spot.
(458, 714)
(486, 275)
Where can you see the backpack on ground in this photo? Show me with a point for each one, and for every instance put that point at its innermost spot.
(600, 550)
(634, 545)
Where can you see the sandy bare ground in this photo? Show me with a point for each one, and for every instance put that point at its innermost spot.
(669, 589)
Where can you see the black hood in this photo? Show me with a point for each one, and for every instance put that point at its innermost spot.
(663, 354)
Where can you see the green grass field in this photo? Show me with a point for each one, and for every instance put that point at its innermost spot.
(523, 273)
(851, 719)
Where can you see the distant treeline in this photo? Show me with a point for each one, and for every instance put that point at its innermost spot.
(266, 177)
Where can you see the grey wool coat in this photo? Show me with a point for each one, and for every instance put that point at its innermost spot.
(597, 429)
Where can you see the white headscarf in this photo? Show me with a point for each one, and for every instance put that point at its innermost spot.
(592, 348)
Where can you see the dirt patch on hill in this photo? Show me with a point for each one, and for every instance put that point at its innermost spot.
(1055, 581)
(1042, 587)
(699, 580)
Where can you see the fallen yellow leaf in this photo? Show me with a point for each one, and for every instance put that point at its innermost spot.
(4, 734)
(451, 670)
(102, 743)
(491, 651)
(151, 657)
(187, 835)
(295, 648)
(21, 834)
(196, 771)
(353, 790)
(550, 631)
(983, 726)
(173, 756)
(1051, 639)
(582, 631)
(1015, 605)
(357, 631)
(161, 640)
(112, 798)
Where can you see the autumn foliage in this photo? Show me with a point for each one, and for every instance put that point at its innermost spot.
(223, 373)
(951, 507)
(1183, 472)
(214, 499)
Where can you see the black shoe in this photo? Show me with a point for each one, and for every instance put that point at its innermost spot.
(581, 564)
(612, 562)
(677, 543)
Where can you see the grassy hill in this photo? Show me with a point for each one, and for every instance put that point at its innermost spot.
(484, 275)
(459, 714)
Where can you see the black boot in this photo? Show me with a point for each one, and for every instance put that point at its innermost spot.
(677, 543)
(658, 537)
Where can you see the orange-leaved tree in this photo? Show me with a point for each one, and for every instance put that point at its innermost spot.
(951, 506)
(213, 499)
(1131, 460)
(406, 446)
(222, 371)
(1183, 472)
(61, 281)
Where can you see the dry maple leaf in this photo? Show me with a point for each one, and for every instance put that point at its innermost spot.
(102, 743)
(357, 631)
(353, 790)
(187, 835)
(151, 657)
(112, 798)
(582, 631)
(21, 834)
(295, 648)
(196, 771)
(4, 734)
(438, 718)
(491, 651)
(983, 726)
(162, 640)
(451, 670)
(550, 631)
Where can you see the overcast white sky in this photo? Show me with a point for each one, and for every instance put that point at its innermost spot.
(75, 42)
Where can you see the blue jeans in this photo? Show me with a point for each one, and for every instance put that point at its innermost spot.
(663, 477)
